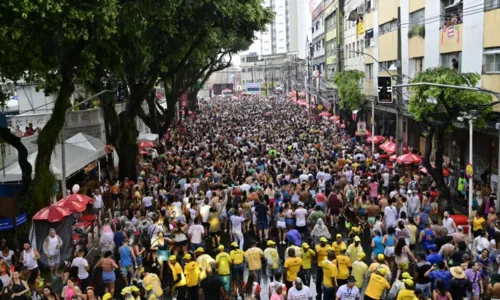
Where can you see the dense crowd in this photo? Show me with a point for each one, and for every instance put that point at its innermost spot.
(260, 199)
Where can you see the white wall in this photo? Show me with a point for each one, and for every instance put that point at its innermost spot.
(405, 19)
(280, 26)
(303, 26)
(472, 51)
(432, 12)
(375, 52)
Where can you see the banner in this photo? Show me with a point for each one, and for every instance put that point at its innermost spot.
(8, 224)
(361, 128)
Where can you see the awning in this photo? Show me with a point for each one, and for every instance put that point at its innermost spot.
(455, 4)
(353, 15)
(80, 150)
(492, 51)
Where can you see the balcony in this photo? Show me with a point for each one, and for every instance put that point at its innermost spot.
(416, 47)
(388, 46)
(450, 38)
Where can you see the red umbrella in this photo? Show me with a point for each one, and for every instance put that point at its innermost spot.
(392, 157)
(143, 152)
(79, 198)
(145, 144)
(409, 158)
(52, 214)
(73, 206)
(325, 114)
(389, 147)
(367, 133)
(376, 138)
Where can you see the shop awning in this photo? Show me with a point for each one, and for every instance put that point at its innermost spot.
(80, 150)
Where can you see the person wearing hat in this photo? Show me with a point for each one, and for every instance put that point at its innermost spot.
(149, 278)
(458, 284)
(127, 293)
(380, 263)
(149, 295)
(107, 296)
(322, 252)
(330, 273)
(359, 269)
(377, 284)
(409, 290)
(223, 260)
(349, 290)
(192, 274)
(307, 256)
(292, 266)
(204, 261)
(237, 260)
(136, 292)
(337, 244)
(178, 276)
(343, 263)
(398, 285)
(272, 259)
(354, 249)
(253, 256)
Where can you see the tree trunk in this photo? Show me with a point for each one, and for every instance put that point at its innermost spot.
(193, 99)
(44, 181)
(127, 148)
(151, 119)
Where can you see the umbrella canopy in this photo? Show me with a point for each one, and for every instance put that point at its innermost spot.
(302, 103)
(325, 114)
(392, 157)
(73, 206)
(83, 199)
(366, 133)
(52, 214)
(446, 171)
(145, 144)
(409, 158)
(376, 138)
(389, 147)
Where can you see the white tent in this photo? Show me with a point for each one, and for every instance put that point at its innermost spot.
(148, 137)
(80, 150)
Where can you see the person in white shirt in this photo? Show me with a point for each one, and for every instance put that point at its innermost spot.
(98, 202)
(300, 219)
(52, 249)
(449, 223)
(348, 291)
(205, 212)
(299, 291)
(236, 221)
(385, 178)
(147, 202)
(83, 268)
(195, 234)
(390, 214)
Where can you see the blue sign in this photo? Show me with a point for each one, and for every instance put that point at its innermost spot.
(8, 224)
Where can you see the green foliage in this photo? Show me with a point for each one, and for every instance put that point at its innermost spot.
(350, 94)
(450, 102)
(416, 30)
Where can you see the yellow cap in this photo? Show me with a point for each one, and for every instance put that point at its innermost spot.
(361, 256)
(221, 247)
(408, 281)
(271, 243)
(107, 296)
(234, 244)
(187, 256)
(173, 257)
(339, 235)
(380, 256)
(323, 239)
(382, 271)
(135, 289)
(406, 275)
(148, 287)
(357, 239)
(343, 247)
(305, 245)
(127, 290)
(200, 249)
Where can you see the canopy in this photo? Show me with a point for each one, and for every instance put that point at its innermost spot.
(73, 206)
(52, 214)
(80, 150)
(389, 147)
(145, 144)
(366, 133)
(325, 114)
(409, 158)
(376, 138)
(147, 137)
(83, 199)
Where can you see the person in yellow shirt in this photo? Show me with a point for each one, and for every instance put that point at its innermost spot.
(237, 257)
(292, 266)
(380, 264)
(298, 251)
(192, 273)
(149, 295)
(272, 260)
(322, 253)
(154, 280)
(354, 249)
(359, 268)
(307, 257)
(337, 244)
(179, 279)
(477, 223)
(407, 293)
(253, 256)
(205, 261)
(223, 260)
(330, 274)
(343, 263)
(377, 285)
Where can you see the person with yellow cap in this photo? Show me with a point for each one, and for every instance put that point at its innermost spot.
(152, 279)
(272, 260)
(307, 257)
(329, 276)
(178, 276)
(408, 293)
(377, 285)
(204, 260)
(398, 285)
(237, 259)
(192, 274)
(298, 251)
(343, 263)
(223, 260)
(359, 269)
(253, 257)
(354, 249)
(136, 292)
(149, 295)
(127, 293)
(107, 296)
(337, 244)
(380, 263)
(292, 267)
(322, 252)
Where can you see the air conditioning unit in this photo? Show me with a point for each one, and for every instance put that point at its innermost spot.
(361, 9)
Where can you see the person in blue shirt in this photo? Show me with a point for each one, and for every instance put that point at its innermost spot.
(293, 236)
(433, 257)
(439, 272)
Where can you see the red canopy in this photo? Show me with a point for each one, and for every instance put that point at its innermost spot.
(409, 158)
(392, 157)
(145, 144)
(52, 214)
(376, 138)
(83, 199)
(73, 206)
(367, 133)
(325, 114)
(389, 147)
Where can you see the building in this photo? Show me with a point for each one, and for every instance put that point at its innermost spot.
(331, 40)
(354, 11)
(317, 45)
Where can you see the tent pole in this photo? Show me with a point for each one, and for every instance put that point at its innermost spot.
(99, 170)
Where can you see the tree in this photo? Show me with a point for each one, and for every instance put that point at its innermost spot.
(50, 42)
(437, 108)
(351, 96)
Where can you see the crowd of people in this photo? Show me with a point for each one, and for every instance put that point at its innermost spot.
(259, 199)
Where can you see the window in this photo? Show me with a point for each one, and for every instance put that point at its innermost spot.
(357, 48)
(449, 59)
(369, 71)
(417, 17)
(491, 60)
(369, 42)
(388, 27)
(416, 66)
(387, 66)
(348, 51)
(491, 4)
(451, 12)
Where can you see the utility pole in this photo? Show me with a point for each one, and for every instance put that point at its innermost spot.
(399, 79)
(265, 77)
(289, 79)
